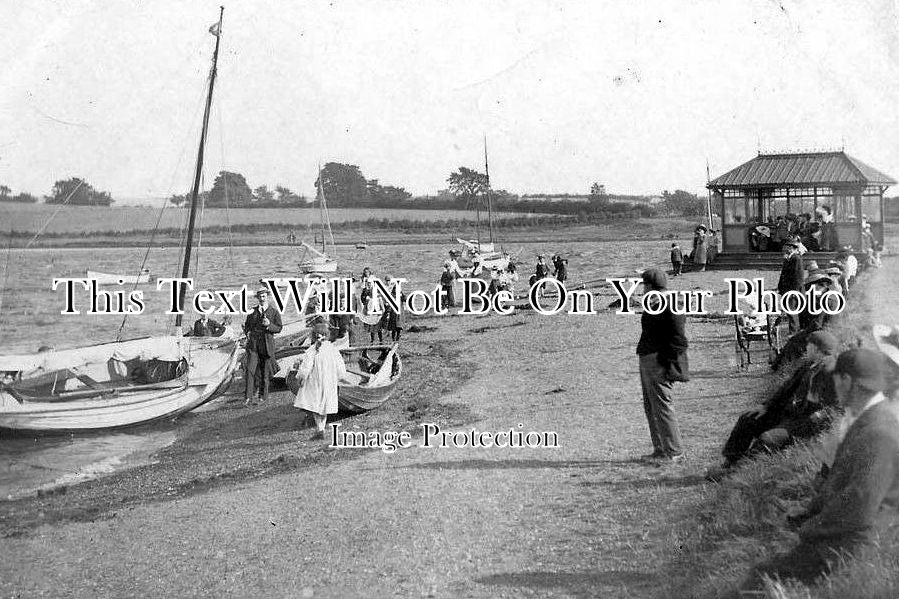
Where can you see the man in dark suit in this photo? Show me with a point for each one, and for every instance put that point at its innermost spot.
(663, 361)
(860, 496)
(800, 408)
(792, 276)
(261, 325)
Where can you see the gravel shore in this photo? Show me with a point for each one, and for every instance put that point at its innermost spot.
(245, 504)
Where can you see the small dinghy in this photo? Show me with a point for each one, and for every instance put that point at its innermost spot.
(374, 370)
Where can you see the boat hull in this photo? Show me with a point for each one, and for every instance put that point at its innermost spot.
(327, 267)
(355, 398)
(212, 363)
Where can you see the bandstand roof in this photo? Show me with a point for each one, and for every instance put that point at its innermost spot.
(811, 169)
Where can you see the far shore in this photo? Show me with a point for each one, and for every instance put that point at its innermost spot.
(274, 236)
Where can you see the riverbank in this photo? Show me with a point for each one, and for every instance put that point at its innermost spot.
(244, 503)
(271, 234)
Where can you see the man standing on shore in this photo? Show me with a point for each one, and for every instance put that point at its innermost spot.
(663, 361)
(792, 276)
(859, 497)
(261, 325)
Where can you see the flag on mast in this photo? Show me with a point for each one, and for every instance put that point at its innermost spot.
(215, 29)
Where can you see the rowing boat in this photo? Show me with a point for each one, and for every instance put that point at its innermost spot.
(113, 385)
(374, 371)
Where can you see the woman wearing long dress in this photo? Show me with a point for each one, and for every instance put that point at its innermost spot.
(700, 248)
(319, 373)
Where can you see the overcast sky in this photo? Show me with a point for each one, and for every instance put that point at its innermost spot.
(635, 95)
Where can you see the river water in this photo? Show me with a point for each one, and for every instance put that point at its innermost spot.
(30, 317)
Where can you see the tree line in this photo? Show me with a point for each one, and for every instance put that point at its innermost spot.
(345, 186)
(74, 191)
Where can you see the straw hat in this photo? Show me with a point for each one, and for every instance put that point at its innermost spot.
(887, 340)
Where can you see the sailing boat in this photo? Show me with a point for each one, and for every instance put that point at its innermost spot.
(475, 249)
(122, 383)
(313, 260)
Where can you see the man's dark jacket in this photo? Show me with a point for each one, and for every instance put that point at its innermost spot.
(792, 274)
(260, 338)
(664, 334)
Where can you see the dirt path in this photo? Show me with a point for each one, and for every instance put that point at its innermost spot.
(585, 519)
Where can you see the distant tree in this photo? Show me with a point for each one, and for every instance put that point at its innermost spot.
(467, 184)
(229, 190)
(77, 192)
(286, 196)
(4, 192)
(683, 203)
(178, 200)
(342, 184)
(386, 196)
(598, 195)
(262, 194)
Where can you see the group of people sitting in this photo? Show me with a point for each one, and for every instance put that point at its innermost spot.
(855, 395)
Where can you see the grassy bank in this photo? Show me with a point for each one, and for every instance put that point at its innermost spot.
(742, 520)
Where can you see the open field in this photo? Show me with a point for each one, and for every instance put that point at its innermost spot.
(81, 219)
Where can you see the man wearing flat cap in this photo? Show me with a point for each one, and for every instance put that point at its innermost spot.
(260, 327)
(800, 408)
(663, 361)
(860, 496)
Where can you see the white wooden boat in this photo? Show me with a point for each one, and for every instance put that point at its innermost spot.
(488, 258)
(113, 385)
(374, 372)
(316, 262)
(104, 278)
(288, 353)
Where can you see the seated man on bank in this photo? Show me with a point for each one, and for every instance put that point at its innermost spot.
(800, 408)
(809, 322)
(860, 496)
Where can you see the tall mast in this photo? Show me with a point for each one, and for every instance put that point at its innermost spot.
(195, 192)
(489, 198)
(321, 206)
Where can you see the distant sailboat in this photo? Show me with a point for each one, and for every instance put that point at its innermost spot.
(475, 249)
(313, 260)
